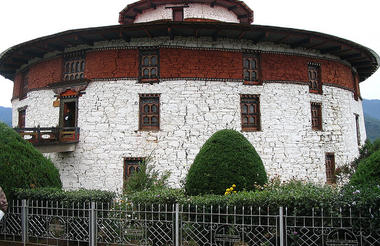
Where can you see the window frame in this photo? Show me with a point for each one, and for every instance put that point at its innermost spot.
(149, 114)
(133, 162)
(63, 101)
(330, 168)
(74, 64)
(357, 127)
(314, 67)
(24, 87)
(177, 10)
(257, 70)
(318, 116)
(255, 100)
(149, 53)
(21, 115)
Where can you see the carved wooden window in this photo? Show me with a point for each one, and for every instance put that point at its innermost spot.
(330, 168)
(314, 75)
(178, 14)
(21, 118)
(250, 112)
(74, 66)
(68, 116)
(316, 116)
(149, 66)
(357, 129)
(251, 69)
(24, 85)
(149, 112)
(132, 165)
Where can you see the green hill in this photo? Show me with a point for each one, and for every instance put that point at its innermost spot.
(372, 126)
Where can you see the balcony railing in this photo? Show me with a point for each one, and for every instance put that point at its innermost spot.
(49, 136)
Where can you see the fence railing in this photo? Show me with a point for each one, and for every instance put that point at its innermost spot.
(51, 223)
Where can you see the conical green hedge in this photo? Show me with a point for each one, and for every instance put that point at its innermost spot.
(226, 158)
(22, 166)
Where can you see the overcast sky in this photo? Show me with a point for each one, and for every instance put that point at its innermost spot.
(358, 21)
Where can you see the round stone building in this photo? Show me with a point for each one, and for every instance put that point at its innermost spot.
(99, 100)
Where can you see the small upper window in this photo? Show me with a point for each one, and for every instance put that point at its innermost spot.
(314, 75)
(178, 14)
(250, 112)
(149, 66)
(316, 116)
(251, 69)
(149, 112)
(74, 66)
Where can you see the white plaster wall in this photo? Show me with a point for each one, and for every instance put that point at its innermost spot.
(39, 111)
(191, 111)
(195, 10)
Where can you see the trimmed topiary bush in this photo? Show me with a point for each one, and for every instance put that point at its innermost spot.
(368, 171)
(22, 166)
(226, 158)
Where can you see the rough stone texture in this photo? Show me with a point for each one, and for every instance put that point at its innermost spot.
(195, 10)
(191, 111)
(39, 111)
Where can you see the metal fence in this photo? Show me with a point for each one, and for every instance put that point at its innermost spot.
(49, 223)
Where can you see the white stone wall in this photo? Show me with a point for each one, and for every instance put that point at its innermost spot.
(191, 111)
(39, 109)
(195, 10)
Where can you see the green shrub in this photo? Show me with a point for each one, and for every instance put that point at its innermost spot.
(145, 179)
(226, 158)
(368, 171)
(22, 166)
(67, 197)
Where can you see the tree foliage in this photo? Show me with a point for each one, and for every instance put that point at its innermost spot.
(22, 166)
(226, 158)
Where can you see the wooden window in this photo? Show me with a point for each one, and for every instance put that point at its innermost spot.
(178, 14)
(21, 118)
(149, 66)
(314, 74)
(355, 85)
(68, 112)
(24, 85)
(149, 112)
(316, 116)
(131, 165)
(251, 69)
(74, 65)
(357, 129)
(330, 168)
(250, 112)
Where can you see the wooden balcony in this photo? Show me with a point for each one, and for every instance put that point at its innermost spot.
(53, 139)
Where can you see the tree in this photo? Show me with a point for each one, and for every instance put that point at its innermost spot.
(225, 159)
(368, 171)
(22, 166)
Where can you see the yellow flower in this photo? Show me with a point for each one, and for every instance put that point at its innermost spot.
(234, 186)
(234, 191)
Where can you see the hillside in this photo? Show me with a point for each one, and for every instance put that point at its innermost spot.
(372, 127)
(6, 115)
(372, 108)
